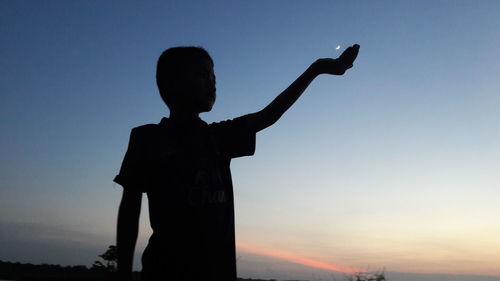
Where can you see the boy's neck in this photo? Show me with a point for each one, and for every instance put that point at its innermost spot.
(183, 116)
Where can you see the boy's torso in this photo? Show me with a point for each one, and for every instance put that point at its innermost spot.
(190, 202)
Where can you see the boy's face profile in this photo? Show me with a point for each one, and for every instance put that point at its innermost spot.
(203, 86)
(196, 92)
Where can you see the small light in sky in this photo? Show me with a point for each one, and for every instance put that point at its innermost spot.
(338, 47)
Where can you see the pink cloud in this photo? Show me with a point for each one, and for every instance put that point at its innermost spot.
(292, 257)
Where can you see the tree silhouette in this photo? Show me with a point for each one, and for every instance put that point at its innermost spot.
(110, 257)
(366, 276)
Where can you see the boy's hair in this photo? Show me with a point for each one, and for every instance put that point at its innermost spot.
(173, 66)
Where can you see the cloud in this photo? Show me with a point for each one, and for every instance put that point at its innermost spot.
(258, 262)
(295, 258)
(258, 266)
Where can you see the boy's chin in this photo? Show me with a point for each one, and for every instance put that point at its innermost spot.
(205, 108)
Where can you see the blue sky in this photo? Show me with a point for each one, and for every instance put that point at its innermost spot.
(393, 164)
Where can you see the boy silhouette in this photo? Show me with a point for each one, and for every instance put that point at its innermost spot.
(182, 164)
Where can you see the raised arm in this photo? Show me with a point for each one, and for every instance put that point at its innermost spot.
(127, 231)
(271, 113)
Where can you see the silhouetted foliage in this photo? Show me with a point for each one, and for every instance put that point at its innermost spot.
(54, 272)
(32, 272)
(110, 257)
(366, 276)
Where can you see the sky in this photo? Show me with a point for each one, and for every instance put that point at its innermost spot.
(394, 164)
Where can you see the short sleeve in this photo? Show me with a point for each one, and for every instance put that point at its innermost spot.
(235, 137)
(133, 170)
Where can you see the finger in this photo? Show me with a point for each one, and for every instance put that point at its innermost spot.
(350, 54)
(352, 49)
(355, 48)
(355, 52)
(345, 54)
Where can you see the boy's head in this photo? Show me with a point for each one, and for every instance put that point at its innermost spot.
(186, 79)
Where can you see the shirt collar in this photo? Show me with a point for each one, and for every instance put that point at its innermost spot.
(196, 122)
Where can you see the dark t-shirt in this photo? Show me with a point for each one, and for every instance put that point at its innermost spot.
(184, 168)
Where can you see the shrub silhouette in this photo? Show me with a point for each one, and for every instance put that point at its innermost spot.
(365, 276)
(110, 257)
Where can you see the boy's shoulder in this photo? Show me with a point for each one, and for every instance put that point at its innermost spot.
(146, 128)
(144, 133)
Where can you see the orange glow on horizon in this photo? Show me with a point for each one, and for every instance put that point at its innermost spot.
(291, 257)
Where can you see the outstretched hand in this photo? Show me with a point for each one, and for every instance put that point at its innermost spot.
(272, 112)
(339, 65)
